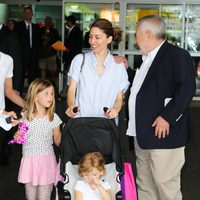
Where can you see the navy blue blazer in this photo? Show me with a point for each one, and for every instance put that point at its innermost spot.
(171, 76)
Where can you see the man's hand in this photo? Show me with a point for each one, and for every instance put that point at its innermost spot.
(161, 127)
(121, 59)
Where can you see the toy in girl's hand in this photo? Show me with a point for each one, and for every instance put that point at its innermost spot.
(23, 129)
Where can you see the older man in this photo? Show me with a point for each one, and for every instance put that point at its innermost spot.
(161, 92)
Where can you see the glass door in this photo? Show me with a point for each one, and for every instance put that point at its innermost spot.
(133, 13)
(86, 13)
(192, 38)
(173, 16)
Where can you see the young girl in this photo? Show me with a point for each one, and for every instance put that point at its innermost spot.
(38, 164)
(91, 187)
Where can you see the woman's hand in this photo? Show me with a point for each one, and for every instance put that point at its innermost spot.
(72, 111)
(111, 113)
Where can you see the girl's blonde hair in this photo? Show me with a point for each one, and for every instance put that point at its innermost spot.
(90, 161)
(35, 88)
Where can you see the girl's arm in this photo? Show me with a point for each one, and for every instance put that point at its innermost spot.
(106, 194)
(78, 195)
(71, 98)
(17, 135)
(113, 112)
(57, 136)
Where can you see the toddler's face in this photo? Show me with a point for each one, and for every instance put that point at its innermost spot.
(91, 176)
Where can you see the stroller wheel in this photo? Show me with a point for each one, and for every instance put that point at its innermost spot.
(67, 195)
(119, 196)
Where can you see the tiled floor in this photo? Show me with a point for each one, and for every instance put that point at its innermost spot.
(11, 190)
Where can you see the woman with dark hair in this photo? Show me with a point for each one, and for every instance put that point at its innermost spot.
(101, 82)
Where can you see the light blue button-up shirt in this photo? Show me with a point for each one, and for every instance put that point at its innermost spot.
(96, 91)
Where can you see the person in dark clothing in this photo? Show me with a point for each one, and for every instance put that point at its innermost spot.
(73, 40)
(86, 40)
(47, 54)
(9, 44)
(74, 43)
(29, 38)
(160, 95)
(11, 23)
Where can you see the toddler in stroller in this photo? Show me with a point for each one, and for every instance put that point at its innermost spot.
(91, 169)
(90, 134)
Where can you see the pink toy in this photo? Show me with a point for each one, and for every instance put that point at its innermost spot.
(23, 128)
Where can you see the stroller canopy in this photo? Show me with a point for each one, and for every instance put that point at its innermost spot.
(87, 134)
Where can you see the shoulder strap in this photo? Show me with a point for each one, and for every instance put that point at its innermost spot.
(82, 62)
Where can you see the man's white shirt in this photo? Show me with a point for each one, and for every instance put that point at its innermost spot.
(137, 83)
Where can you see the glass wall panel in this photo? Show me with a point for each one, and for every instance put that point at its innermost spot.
(173, 16)
(193, 28)
(133, 13)
(39, 14)
(87, 13)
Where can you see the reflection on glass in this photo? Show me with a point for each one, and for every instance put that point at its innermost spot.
(193, 28)
(133, 13)
(172, 15)
(86, 14)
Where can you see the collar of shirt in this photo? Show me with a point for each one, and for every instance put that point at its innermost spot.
(27, 23)
(106, 61)
(71, 29)
(152, 54)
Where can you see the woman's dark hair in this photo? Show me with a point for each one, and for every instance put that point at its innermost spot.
(104, 25)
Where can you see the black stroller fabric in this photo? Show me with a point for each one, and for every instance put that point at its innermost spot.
(87, 134)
